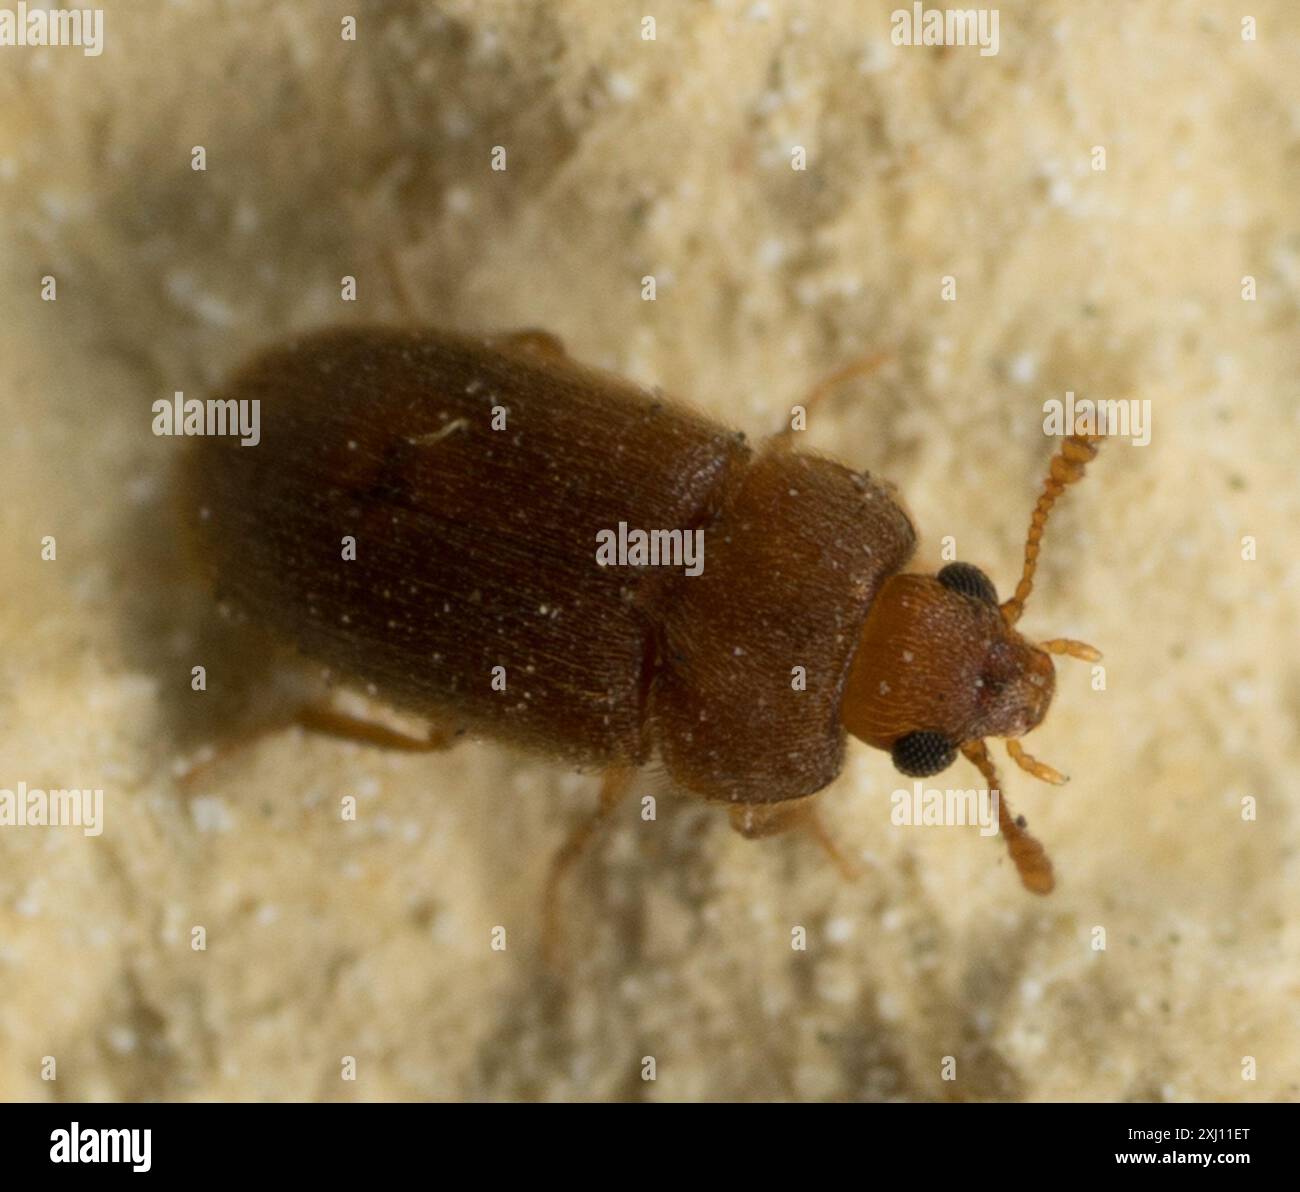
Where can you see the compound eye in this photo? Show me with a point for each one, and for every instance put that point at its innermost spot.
(918, 755)
(969, 580)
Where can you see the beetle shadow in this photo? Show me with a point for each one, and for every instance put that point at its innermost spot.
(190, 271)
(217, 676)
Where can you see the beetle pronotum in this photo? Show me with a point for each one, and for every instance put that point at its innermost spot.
(475, 476)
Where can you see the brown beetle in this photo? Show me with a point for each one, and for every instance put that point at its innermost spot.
(474, 476)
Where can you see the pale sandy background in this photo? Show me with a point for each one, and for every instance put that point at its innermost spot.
(670, 158)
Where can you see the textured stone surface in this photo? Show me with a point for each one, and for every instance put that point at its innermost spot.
(668, 158)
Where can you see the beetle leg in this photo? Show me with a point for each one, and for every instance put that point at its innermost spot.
(613, 786)
(864, 366)
(532, 340)
(756, 820)
(328, 722)
(402, 291)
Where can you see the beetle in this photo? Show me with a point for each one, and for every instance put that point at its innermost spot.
(473, 477)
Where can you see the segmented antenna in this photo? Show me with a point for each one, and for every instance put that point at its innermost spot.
(1067, 468)
(1027, 854)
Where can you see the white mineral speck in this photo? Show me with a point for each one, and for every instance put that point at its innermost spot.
(1024, 367)
(121, 1039)
(210, 814)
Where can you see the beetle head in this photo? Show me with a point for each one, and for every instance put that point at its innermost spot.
(940, 666)
(937, 666)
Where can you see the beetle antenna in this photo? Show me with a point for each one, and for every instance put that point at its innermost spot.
(1027, 854)
(1066, 468)
(1031, 765)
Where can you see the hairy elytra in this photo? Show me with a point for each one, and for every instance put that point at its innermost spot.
(473, 476)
